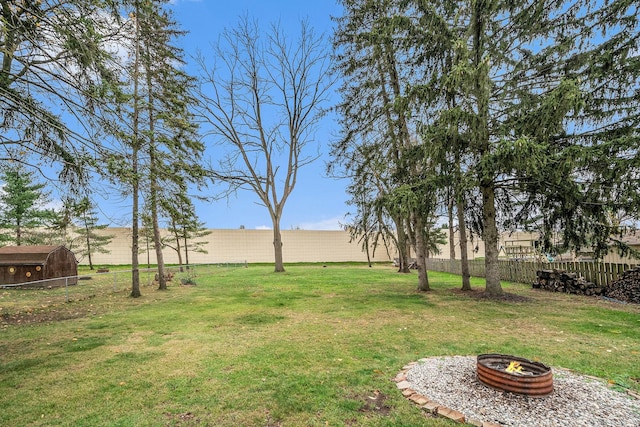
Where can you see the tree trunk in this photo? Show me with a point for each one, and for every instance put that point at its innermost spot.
(482, 92)
(162, 280)
(147, 251)
(403, 241)
(153, 173)
(464, 256)
(421, 254)
(366, 242)
(186, 249)
(490, 237)
(135, 231)
(277, 246)
(86, 228)
(157, 240)
(90, 263)
(178, 247)
(452, 240)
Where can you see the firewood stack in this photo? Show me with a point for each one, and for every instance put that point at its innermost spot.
(561, 281)
(626, 288)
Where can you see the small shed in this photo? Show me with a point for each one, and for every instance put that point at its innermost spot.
(25, 264)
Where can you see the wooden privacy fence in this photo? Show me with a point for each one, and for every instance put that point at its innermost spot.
(599, 273)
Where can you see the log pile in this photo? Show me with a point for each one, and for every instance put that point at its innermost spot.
(626, 288)
(561, 281)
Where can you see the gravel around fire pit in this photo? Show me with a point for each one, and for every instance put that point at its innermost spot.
(576, 400)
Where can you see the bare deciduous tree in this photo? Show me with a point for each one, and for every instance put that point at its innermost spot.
(261, 100)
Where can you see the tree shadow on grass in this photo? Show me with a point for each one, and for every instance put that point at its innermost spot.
(481, 295)
(386, 299)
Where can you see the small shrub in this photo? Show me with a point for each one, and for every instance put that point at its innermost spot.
(188, 281)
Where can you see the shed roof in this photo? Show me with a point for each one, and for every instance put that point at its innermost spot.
(26, 254)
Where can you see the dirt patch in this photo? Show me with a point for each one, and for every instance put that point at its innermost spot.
(184, 419)
(480, 294)
(375, 403)
(270, 422)
(42, 316)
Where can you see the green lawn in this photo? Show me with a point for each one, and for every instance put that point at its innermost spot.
(248, 347)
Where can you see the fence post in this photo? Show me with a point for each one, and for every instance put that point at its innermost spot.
(66, 288)
(115, 281)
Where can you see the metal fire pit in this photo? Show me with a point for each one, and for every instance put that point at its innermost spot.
(536, 379)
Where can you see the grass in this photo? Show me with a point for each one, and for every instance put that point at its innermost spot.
(248, 347)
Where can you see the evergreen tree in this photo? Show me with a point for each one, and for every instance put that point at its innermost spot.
(170, 133)
(530, 105)
(90, 240)
(595, 171)
(145, 237)
(379, 117)
(131, 175)
(186, 231)
(23, 211)
(543, 136)
(192, 233)
(161, 125)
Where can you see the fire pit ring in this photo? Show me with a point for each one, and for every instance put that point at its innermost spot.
(526, 377)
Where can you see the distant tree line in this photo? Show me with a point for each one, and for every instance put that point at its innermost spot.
(27, 218)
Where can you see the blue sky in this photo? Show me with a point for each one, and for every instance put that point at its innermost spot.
(318, 201)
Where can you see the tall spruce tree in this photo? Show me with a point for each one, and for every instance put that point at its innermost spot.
(369, 135)
(162, 126)
(379, 111)
(525, 98)
(595, 64)
(171, 142)
(130, 173)
(530, 133)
